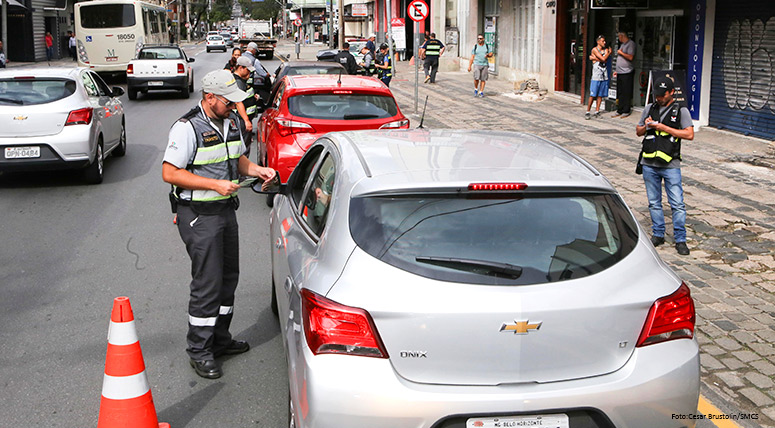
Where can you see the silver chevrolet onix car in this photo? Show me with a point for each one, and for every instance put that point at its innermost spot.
(59, 118)
(461, 279)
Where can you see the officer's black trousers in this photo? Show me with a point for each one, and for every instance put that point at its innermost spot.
(431, 66)
(212, 242)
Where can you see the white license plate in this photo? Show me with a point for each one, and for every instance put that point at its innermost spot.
(22, 152)
(542, 421)
(155, 83)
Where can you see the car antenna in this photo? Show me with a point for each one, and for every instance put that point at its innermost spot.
(339, 82)
(422, 119)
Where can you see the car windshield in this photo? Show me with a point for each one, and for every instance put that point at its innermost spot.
(160, 53)
(34, 91)
(215, 38)
(528, 240)
(343, 106)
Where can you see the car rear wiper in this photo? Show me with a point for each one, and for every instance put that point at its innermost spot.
(11, 100)
(360, 116)
(481, 267)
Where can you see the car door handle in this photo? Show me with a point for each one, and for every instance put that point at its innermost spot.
(278, 243)
(288, 285)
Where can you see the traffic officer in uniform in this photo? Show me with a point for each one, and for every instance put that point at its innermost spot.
(202, 162)
(368, 62)
(431, 50)
(347, 59)
(385, 66)
(247, 109)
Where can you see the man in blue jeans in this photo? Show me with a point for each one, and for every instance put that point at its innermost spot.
(663, 125)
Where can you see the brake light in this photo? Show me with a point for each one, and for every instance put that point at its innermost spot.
(333, 328)
(24, 78)
(287, 127)
(181, 69)
(496, 186)
(130, 69)
(671, 317)
(399, 124)
(80, 117)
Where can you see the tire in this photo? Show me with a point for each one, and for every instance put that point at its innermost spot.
(185, 92)
(120, 150)
(191, 85)
(208, 50)
(131, 93)
(270, 55)
(275, 309)
(94, 173)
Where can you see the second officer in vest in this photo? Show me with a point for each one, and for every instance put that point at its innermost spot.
(203, 161)
(663, 125)
(431, 50)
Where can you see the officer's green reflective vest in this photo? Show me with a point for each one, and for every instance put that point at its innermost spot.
(660, 145)
(213, 157)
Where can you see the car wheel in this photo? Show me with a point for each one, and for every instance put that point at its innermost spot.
(95, 171)
(131, 93)
(185, 92)
(270, 55)
(191, 85)
(208, 50)
(120, 150)
(275, 309)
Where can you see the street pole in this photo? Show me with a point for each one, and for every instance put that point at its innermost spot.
(388, 18)
(5, 27)
(341, 23)
(180, 21)
(188, 21)
(416, 65)
(330, 11)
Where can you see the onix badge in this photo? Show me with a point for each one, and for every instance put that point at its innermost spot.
(521, 327)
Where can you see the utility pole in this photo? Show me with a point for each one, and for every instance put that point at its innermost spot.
(341, 23)
(389, 36)
(188, 21)
(178, 5)
(5, 27)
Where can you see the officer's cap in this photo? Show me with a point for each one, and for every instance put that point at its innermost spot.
(252, 45)
(662, 86)
(246, 62)
(222, 82)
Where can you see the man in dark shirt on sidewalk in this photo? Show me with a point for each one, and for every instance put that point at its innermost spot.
(347, 59)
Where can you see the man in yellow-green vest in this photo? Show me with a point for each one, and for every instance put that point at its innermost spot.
(664, 124)
(431, 50)
(203, 162)
(247, 110)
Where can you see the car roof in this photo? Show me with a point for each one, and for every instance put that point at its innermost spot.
(320, 64)
(331, 80)
(42, 71)
(423, 159)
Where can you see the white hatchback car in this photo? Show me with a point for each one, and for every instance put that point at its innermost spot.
(59, 118)
(215, 42)
(473, 279)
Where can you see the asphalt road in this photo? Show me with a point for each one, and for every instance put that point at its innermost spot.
(70, 248)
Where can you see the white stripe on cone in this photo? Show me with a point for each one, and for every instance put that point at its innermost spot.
(122, 333)
(125, 387)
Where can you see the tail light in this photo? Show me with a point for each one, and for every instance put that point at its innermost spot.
(332, 328)
(181, 69)
(671, 317)
(399, 124)
(497, 186)
(80, 117)
(287, 127)
(130, 69)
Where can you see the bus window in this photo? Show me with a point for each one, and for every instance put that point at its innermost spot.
(147, 27)
(155, 22)
(107, 16)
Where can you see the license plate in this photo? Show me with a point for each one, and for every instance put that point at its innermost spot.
(155, 83)
(22, 152)
(543, 421)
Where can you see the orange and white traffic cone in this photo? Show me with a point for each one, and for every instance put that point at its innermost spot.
(126, 396)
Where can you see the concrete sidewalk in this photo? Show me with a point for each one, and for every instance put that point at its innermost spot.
(729, 185)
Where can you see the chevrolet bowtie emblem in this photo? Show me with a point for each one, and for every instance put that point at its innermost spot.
(20, 118)
(521, 327)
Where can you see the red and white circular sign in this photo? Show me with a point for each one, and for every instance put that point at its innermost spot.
(417, 10)
(297, 22)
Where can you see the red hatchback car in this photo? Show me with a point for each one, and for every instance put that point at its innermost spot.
(305, 107)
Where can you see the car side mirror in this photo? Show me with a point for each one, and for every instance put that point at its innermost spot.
(191, 59)
(117, 91)
(269, 187)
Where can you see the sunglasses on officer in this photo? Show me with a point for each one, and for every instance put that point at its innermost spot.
(227, 103)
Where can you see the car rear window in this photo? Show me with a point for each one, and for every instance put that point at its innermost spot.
(108, 16)
(160, 53)
(314, 70)
(215, 38)
(342, 106)
(531, 240)
(34, 91)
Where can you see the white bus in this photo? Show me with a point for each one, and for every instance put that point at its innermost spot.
(111, 32)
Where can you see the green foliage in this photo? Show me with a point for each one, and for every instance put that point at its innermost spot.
(260, 10)
(221, 11)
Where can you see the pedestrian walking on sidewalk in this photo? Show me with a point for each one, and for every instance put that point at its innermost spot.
(479, 55)
(385, 66)
(663, 125)
(431, 50)
(598, 87)
(49, 46)
(72, 43)
(204, 194)
(3, 60)
(624, 75)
